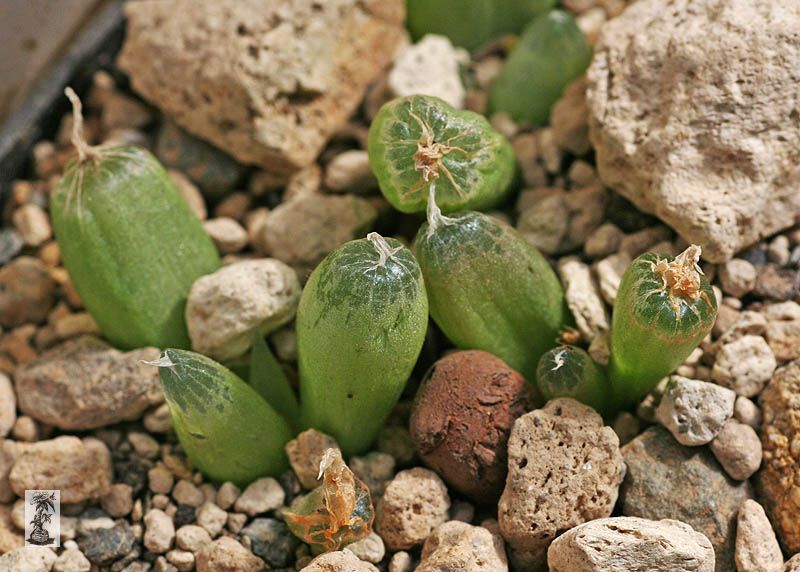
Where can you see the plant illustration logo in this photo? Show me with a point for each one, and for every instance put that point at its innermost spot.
(42, 518)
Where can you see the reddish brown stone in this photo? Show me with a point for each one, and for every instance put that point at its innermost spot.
(462, 417)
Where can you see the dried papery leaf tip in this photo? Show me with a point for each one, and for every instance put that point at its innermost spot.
(681, 277)
(328, 458)
(85, 151)
(435, 216)
(385, 252)
(163, 361)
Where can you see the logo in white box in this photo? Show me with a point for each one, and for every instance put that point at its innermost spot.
(42, 518)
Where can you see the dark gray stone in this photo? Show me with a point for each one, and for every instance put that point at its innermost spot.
(271, 540)
(105, 545)
(668, 480)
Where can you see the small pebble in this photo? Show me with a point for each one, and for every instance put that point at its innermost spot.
(118, 502)
(191, 537)
(757, 548)
(180, 559)
(185, 492)
(369, 549)
(738, 277)
(227, 495)
(212, 518)
(414, 503)
(737, 447)
(225, 554)
(260, 496)
(144, 444)
(694, 411)
(159, 531)
(160, 479)
(747, 412)
(33, 224)
(228, 235)
(400, 562)
(744, 365)
(350, 172)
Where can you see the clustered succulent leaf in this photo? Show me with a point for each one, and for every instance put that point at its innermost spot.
(488, 288)
(132, 246)
(226, 429)
(471, 23)
(360, 327)
(551, 53)
(664, 308)
(419, 141)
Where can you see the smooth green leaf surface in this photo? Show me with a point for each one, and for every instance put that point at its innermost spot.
(269, 380)
(226, 429)
(132, 246)
(551, 53)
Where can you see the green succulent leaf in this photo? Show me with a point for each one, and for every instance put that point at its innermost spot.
(664, 308)
(568, 371)
(269, 379)
(489, 289)
(360, 327)
(419, 141)
(551, 53)
(226, 429)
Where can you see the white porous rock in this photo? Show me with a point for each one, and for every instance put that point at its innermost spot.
(413, 504)
(626, 543)
(573, 462)
(429, 67)
(28, 559)
(695, 411)
(693, 116)
(463, 547)
(583, 297)
(744, 365)
(225, 308)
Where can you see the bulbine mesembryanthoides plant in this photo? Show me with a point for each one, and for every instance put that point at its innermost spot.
(225, 427)
(131, 244)
(664, 308)
(420, 140)
(488, 288)
(361, 323)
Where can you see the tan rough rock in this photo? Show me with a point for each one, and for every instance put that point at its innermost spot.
(305, 452)
(303, 230)
(695, 120)
(744, 365)
(227, 555)
(737, 447)
(583, 297)
(81, 470)
(85, 384)
(267, 82)
(779, 479)
(793, 564)
(226, 307)
(413, 504)
(463, 547)
(570, 119)
(340, 561)
(565, 454)
(29, 559)
(757, 549)
(625, 543)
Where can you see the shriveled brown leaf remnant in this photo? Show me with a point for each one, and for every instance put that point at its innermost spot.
(336, 513)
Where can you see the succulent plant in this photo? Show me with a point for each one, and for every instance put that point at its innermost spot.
(418, 141)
